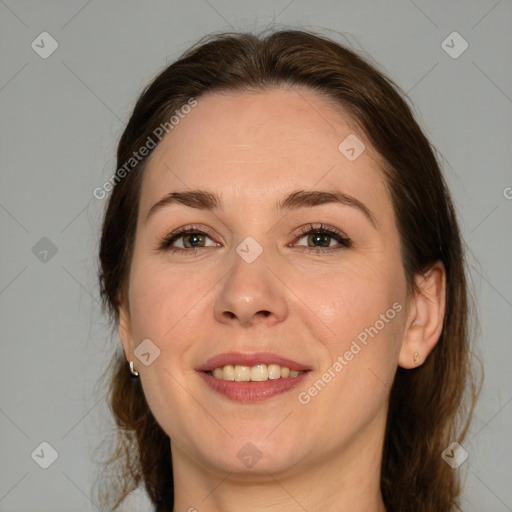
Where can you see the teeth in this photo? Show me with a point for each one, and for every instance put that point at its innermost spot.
(218, 373)
(242, 373)
(227, 373)
(258, 373)
(274, 371)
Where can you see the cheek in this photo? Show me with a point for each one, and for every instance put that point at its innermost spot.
(164, 300)
(165, 306)
(363, 305)
(352, 298)
(364, 308)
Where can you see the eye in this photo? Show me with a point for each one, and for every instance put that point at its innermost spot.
(185, 239)
(319, 238)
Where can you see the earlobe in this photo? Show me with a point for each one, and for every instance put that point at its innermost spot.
(425, 318)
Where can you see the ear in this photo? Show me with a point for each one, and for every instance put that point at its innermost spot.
(425, 317)
(125, 328)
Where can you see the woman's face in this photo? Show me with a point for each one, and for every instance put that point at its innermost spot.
(272, 274)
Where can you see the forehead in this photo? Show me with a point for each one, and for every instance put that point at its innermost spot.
(262, 144)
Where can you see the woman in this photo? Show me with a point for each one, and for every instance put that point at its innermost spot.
(282, 259)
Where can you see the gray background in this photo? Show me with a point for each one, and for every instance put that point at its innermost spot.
(61, 118)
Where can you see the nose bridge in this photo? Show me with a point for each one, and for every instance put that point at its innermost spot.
(250, 289)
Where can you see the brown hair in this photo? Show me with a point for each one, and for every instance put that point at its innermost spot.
(429, 406)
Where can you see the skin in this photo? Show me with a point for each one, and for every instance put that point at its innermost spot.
(252, 149)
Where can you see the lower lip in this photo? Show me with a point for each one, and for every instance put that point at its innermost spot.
(251, 391)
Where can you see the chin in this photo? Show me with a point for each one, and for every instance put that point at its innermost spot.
(250, 456)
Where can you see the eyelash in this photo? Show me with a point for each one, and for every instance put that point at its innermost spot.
(165, 243)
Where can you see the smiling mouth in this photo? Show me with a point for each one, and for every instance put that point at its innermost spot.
(256, 373)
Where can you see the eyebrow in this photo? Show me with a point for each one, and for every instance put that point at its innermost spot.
(204, 200)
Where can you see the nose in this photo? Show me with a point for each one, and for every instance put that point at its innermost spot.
(251, 294)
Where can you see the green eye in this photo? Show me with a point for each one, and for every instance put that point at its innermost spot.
(318, 239)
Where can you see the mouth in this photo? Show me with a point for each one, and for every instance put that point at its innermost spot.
(251, 377)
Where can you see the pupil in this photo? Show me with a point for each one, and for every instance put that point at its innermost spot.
(321, 239)
(193, 240)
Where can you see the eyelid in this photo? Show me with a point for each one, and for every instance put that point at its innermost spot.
(343, 240)
(320, 227)
(164, 242)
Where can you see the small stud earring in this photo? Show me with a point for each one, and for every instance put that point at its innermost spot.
(415, 359)
(135, 373)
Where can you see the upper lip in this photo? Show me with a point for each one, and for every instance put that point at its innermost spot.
(238, 358)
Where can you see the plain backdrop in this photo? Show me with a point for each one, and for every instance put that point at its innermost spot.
(61, 117)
